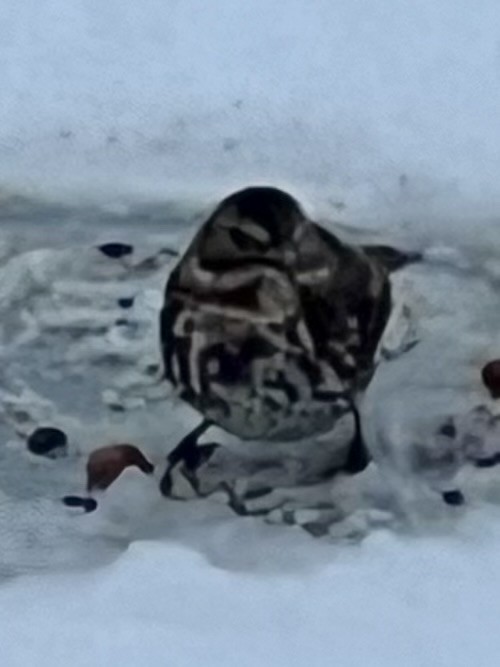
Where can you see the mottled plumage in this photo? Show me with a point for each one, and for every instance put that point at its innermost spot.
(270, 323)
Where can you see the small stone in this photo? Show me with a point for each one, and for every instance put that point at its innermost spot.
(126, 302)
(116, 250)
(491, 377)
(73, 501)
(88, 504)
(48, 441)
(454, 498)
(486, 462)
(116, 407)
(107, 463)
(448, 429)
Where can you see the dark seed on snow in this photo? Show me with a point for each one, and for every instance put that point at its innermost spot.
(487, 462)
(116, 250)
(116, 407)
(126, 302)
(454, 497)
(47, 441)
(73, 501)
(448, 430)
(88, 504)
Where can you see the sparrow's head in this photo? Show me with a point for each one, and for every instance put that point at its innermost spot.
(256, 220)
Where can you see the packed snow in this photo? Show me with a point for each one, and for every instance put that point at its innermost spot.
(125, 122)
(346, 101)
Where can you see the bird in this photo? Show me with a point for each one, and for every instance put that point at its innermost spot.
(270, 323)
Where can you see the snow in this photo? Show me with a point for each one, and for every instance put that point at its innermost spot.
(126, 122)
(388, 109)
(392, 601)
(153, 579)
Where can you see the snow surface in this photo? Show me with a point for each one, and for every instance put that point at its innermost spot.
(125, 121)
(385, 108)
(412, 602)
(144, 578)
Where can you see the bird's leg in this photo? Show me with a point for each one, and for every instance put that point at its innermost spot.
(189, 455)
(358, 457)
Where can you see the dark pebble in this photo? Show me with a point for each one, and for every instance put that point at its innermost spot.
(126, 302)
(491, 377)
(47, 441)
(116, 250)
(88, 504)
(454, 497)
(487, 462)
(448, 430)
(116, 407)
